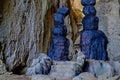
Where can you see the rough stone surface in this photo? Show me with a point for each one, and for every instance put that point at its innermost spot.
(14, 77)
(2, 68)
(108, 13)
(41, 65)
(100, 68)
(59, 47)
(65, 70)
(89, 76)
(80, 58)
(42, 77)
(85, 76)
(112, 78)
(103, 69)
(115, 65)
(25, 29)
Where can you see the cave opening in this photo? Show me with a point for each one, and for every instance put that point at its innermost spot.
(19, 70)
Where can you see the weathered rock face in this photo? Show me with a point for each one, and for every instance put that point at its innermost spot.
(41, 65)
(108, 13)
(2, 68)
(25, 27)
(25, 30)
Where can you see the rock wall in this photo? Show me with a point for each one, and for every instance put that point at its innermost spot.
(109, 15)
(26, 25)
(25, 28)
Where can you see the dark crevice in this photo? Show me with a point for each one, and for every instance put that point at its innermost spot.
(85, 66)
(19, 70)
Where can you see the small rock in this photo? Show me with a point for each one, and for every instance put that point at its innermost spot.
(80, 58)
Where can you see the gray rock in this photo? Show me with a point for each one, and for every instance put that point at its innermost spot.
(14, 77)
(38, 68)
(42, 77)
(116, 66)
(111, 78)
(65, 70)
(30, 71)
(109, 18)
(80, 58)
(100, 68)
(41, 65)
(2, 68)
(26, 27)
(35, 61)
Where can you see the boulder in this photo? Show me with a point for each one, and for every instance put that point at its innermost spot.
(41, 65)
(100, 68)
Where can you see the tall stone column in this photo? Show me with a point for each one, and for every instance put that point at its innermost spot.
(60, 44)
(93, 42)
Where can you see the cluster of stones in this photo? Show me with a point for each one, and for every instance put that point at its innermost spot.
(59, 44)
(93, 42)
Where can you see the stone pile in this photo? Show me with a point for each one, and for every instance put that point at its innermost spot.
(93, 42)
(59, 48)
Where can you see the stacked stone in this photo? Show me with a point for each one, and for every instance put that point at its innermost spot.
(93, 42)
(59, 44)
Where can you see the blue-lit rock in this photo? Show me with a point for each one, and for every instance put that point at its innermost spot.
(41, 65)
(90, 22)
(93, 42)
(88, 2)
(59, 44)
(89, 10)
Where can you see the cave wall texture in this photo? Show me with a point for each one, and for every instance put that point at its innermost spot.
(25, 27)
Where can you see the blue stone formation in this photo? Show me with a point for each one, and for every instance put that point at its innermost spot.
(89, 10)
(88, 2)
(59, 44)
(93, 42)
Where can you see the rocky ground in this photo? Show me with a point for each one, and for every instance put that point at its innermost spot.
(70, 70)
